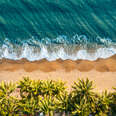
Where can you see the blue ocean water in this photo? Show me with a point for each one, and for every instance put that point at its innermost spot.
(53, 29)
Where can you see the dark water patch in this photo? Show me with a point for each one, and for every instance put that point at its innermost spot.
(52, 18)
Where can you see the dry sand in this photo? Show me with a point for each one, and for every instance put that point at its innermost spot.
(101, 71)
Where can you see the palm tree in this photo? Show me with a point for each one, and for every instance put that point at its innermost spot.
(59, 87)
(113, 104)
(30, 92)
(47, 87)
(47, 105)
(8, 103)
(102, 104)
(29, 107)
(49, 91)
(83, 97)
(25, 87)
(81, 109)
(63, 103)
(6, 89)
(51, 87)
(50, 97)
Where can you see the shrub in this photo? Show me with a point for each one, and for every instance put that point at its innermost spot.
(8, 103)
(49, 97)
(113, 104)
(47, 105)
(83, 97)
(102, 104)
(63, 103)
(54, 88)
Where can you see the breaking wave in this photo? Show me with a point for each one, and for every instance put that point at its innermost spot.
(77, 47)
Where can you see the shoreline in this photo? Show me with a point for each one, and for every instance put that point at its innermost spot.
(102, 71)
(100, 65)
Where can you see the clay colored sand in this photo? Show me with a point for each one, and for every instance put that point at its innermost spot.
(101, 71)
(100, 65)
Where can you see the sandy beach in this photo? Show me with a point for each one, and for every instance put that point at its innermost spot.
(101, 71)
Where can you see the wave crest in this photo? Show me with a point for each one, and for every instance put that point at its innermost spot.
(77, 47)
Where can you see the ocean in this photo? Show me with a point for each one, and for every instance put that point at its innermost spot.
(57, 29)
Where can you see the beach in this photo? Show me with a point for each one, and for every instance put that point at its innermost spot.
(58, 57)
(102, 71)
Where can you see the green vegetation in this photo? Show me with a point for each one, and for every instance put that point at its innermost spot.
(30, 98)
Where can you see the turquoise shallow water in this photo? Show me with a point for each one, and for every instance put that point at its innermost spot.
(52, 29)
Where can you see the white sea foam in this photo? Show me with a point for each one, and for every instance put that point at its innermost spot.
(53, 52)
